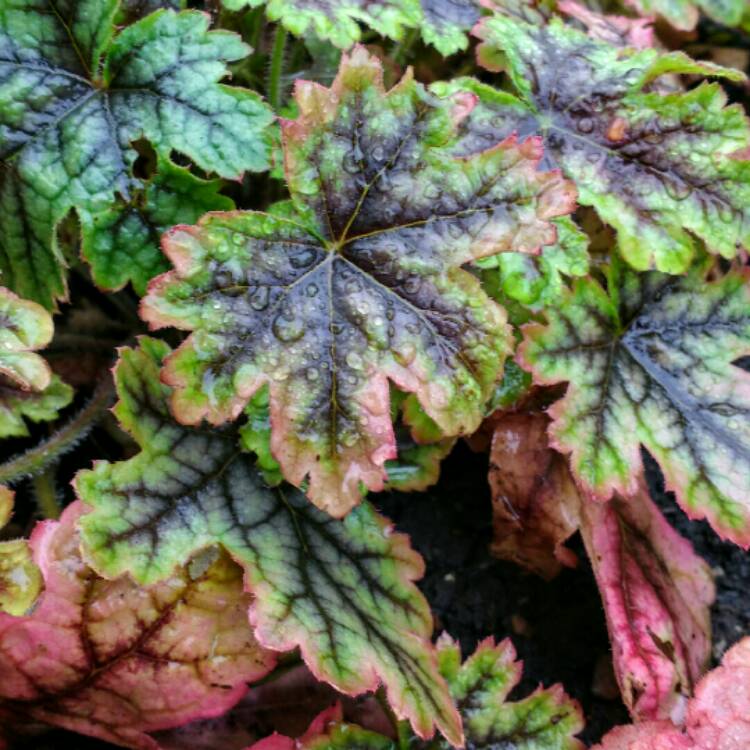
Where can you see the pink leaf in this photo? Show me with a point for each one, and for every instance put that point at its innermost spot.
(114, 660)
(718, 717)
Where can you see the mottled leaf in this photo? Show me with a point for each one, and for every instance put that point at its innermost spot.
(650, 361)
(447, 23)
(657, 595)
(28, 389)
(74, 97)
(622, 31)
(684, 14)
(363, 286)
(20, 579)
(661, 168)
(535, 503)
(342, 592)
(339, 21)
(121, 242)
(545, 720)
(717, 717)
(116, 661)
(18, 405)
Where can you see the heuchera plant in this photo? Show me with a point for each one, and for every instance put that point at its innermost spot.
(260, 261)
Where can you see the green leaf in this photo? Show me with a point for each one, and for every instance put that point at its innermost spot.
(27, 386)
(72, 100)
(341, 591)
(121, 242)
(20, 579)
(16, 405)
(447, 23)
(362, 286)
(661, 168)
(338, 21)
(650, 361)
(545, 720)
(684, 14)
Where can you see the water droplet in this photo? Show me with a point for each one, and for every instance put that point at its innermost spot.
(312, 374)
(585, 125)
(354, 360)
(259, 298)
(377, 153)
(734, 425)
(302, 258)
(288, 327)
(311, 290)
(677, 189)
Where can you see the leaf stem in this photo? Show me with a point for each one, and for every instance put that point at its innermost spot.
(276, 68)
(38, 458)
(45, 494)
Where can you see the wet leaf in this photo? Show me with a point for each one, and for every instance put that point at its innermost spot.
(28, 389)
(339, 21)
(362, 286)
(535, 502)
(20, 579)
(717, 717)
(81, 95)
(650, 361)
(661, 168)
(684, 14)
(657, 595)
(121, 242)
(447, 23)
(342, 592)
(116, 661)
(545, 720)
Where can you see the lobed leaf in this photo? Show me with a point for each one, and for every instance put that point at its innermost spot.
(20, 579)
(684, 14)
(661, 168)
(657, 595)
(113, 660)
(76, 96)
(121, 241)
(545, 720)
(717, 717)
(650, 361)
(342, 592)
(28, 389)
(363, 285)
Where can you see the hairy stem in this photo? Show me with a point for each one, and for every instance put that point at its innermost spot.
(277, 67)
(38, 458)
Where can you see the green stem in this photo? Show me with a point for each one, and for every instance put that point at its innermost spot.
(45, 493)
(277, 66)
(38, 458)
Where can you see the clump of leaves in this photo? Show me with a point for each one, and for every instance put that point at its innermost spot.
(537, 243)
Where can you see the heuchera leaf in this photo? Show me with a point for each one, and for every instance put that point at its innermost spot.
(121, 242)
(622, 31)
(650, 361)
(113, 660)
(662, 169)
(75, 96)
(684, 14)
(20, 579)
(446, 23)
(27, 386)
(656, 591)
(657, 596)
(338, 21)
(363, 286)
(718, 717)
(342, 592)
(545, 720)
(535, 502)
